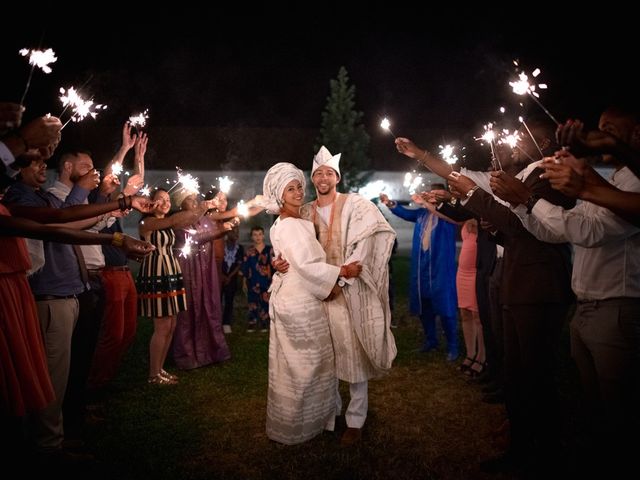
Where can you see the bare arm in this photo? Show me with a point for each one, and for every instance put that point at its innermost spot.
(75, 212)
(433, 163)
(177, 220)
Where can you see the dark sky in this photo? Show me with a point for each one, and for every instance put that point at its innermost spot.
(424, 69)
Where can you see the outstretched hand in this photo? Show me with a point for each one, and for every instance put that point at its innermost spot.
(571, 134)
(407, 147)
(509, 188)
(136, 249)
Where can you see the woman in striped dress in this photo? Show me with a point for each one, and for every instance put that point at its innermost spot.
(160, 284)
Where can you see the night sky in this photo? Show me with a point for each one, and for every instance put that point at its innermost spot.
(425, 70)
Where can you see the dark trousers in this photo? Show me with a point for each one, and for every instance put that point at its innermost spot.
(228, 297)
(531, 340)
(83, 347)
(449, 325)
(496, 361)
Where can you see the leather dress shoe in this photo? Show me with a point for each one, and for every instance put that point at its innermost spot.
(351, 436)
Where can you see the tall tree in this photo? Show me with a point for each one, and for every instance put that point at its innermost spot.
(341, 131)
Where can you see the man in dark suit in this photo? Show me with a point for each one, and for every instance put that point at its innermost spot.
(535, 293)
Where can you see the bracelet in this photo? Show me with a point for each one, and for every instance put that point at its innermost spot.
(423, 158)
(122, 204)
(128, 201)
(118, 239)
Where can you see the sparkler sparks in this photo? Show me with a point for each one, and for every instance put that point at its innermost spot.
(373, 189)
(411, 182)
(385, 124)
(225, 184)
(80, 107)
(116, 169)
(243, 209)
(446, 152)
(523, 86)
(139, 120)
(40, 59)
(186, 250)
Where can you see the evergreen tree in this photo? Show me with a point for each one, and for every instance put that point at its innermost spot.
(341, 131)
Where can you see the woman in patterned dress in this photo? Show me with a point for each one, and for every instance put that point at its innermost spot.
(160, 285)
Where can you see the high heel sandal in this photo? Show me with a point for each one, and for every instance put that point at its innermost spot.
(474, 372)
(167, 375)
(465, 367)
(160, 380)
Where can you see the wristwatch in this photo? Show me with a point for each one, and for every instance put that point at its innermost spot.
(470, 192)
(341, 283)
(531, 201)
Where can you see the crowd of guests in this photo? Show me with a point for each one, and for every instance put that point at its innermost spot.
(530, 255)
(70, 303)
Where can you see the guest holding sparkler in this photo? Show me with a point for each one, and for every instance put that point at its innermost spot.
(198, 340)
(160, 283)
(433, 267)
(535, 292)
(605, 338)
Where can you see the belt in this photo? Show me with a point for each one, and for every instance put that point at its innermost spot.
(94, 271)
(43, 298)
(122, 268)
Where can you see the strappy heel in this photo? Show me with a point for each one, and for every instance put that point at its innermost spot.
(474, 372)
(160, 380)
(168, 376)
(465, 367)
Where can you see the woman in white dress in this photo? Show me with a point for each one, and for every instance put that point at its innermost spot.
(301, 400)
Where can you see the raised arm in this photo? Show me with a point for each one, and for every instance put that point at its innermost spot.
(426, 158)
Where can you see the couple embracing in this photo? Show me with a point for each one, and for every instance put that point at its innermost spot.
(329, 303)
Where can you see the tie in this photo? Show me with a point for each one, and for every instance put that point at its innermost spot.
(84, 275)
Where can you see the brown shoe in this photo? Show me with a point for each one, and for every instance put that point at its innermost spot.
(351, 436)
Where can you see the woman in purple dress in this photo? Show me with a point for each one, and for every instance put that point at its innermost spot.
(198, 339)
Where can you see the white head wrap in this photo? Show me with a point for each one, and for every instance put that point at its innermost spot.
(324, 157)
(275, 180)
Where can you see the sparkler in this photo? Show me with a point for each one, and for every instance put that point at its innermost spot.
(385, 124)
(373, 189)
(37, 58)
(189, 183)
(412, 183)
(186, 250)
(80, 107)
(446, 152)
(489, 136)
(145, 191)
(139, 120)
(243, 209)
(116, 169)
(521, 120)
(225, 184)
(522, 86)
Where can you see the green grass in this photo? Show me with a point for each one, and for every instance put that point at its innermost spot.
(425, 421)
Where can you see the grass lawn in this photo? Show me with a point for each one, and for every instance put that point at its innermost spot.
(425, 420)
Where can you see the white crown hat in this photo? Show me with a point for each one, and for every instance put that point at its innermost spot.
(324, 157)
